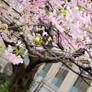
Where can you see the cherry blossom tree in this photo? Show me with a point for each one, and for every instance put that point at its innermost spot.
(46, 31)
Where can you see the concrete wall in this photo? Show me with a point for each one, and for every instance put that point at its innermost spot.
(52, 72)
(4, 65)
(68, 82)
(3, 61)
(90, 89)
(65, 86)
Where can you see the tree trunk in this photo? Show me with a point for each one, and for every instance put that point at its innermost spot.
(22, 79)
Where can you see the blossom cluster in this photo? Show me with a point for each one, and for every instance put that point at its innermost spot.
(12, 58)
(73, 20)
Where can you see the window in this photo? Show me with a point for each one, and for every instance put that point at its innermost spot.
(45, 69)
(79, 86)
(60, 76)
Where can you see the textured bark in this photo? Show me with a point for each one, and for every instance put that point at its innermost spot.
(22, 79)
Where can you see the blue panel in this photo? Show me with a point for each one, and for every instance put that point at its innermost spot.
(42, 73)
(54, 81)
(73, 89)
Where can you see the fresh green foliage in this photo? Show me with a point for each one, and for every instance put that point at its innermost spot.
(62, 10)
(37, 39)
(0, 48)
(3, 26)
(79, 6)
(20, 29)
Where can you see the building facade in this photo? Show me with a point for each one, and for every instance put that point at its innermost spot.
(58, 78)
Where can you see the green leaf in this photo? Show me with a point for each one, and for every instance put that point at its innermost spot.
(47, 12)
(1, 87)
(40, 24)
(16, 50)
(62, 10)
(22, 49)
(79, 6)
(20, 29)
(0, 49)
(3, 6)
(37, 39)
(3, 26)
(45, 54)
(26, 54)
(89, 29)
(37, 35)
(14, 47)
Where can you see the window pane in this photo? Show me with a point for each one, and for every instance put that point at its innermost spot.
(60, 76)
(45, 69)
(73, 89)
(54, 81)
(80, 85)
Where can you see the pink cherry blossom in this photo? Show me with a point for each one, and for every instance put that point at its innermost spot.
(12, 58)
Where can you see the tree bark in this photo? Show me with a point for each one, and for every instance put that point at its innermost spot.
(22, 79)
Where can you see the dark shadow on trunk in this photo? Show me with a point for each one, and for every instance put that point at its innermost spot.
(22, 78)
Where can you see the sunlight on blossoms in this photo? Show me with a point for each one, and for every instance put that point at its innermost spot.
(70, 24)
(12, 58)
